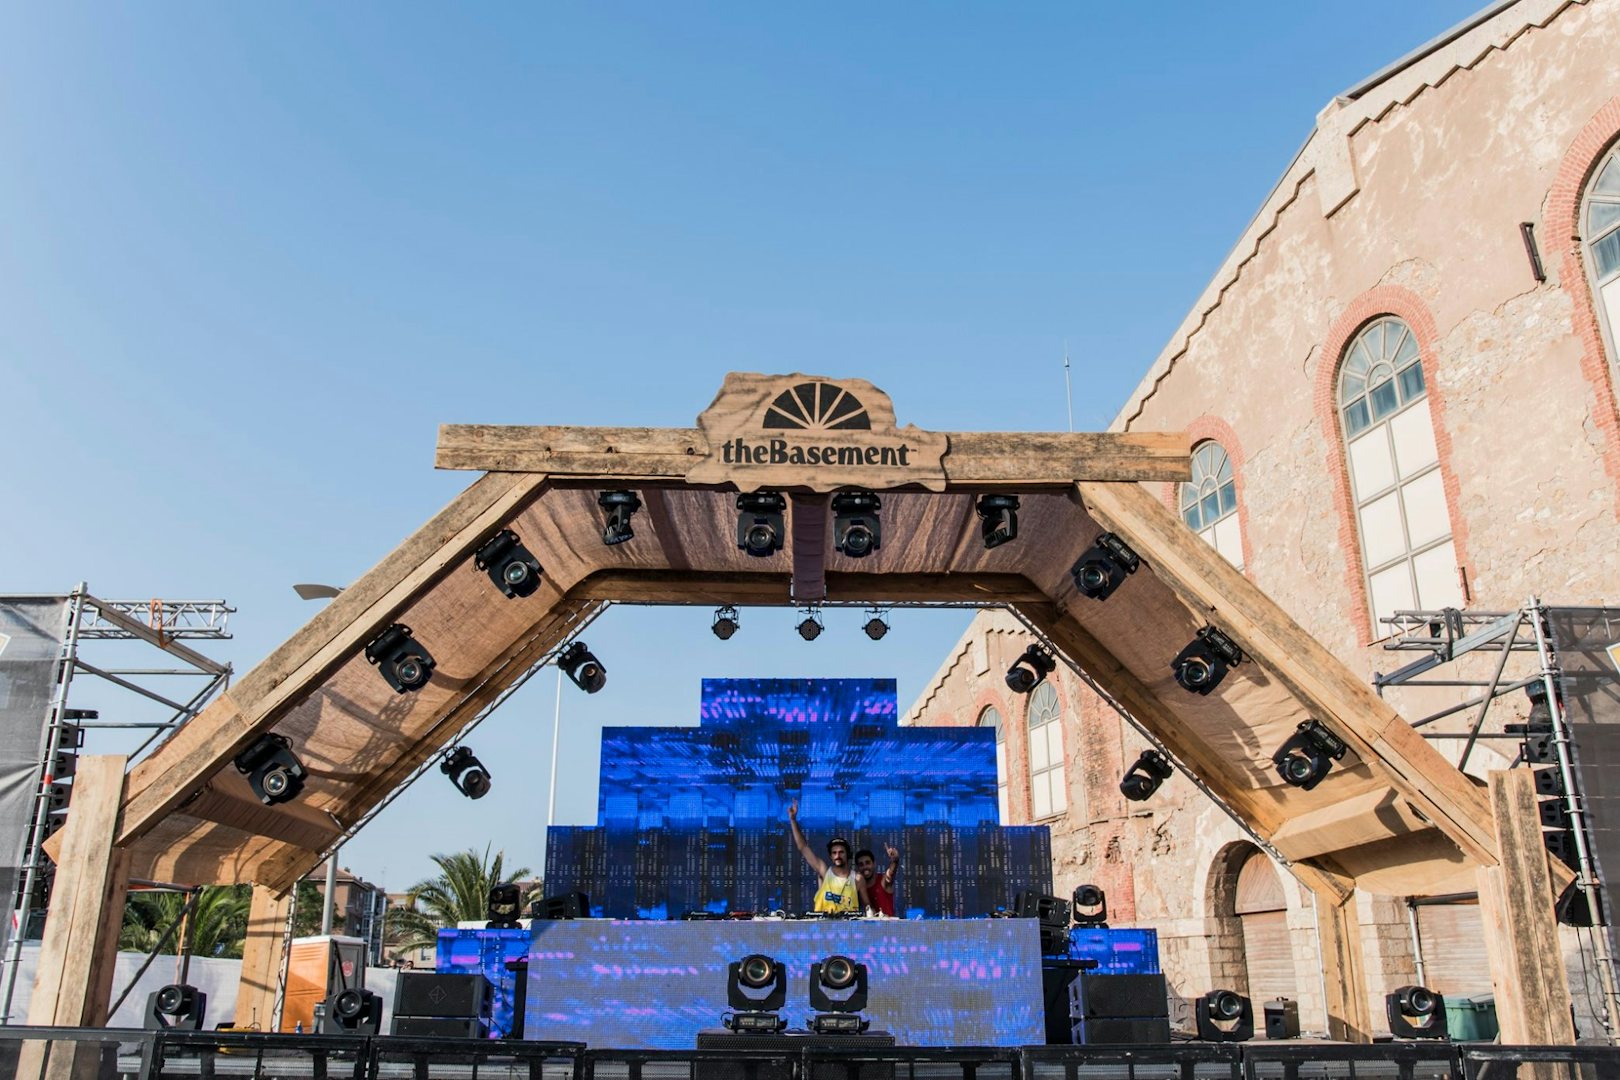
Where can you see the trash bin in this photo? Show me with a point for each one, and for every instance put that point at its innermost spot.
(1471, 1019)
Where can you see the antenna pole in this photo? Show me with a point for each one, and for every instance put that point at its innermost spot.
(1068, 387)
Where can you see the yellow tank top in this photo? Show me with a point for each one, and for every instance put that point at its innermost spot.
(837, 893)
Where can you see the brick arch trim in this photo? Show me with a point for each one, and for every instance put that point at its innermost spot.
(1409, 308)
(1214, 429)
(1564, 231)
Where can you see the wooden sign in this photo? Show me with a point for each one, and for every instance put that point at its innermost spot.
(805, 431)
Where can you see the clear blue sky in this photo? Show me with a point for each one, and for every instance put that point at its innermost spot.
(251, 256)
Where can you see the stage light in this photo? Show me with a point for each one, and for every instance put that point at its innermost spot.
(1416, 1012)
(274, 772)
(1145, 775)
(466, 772)
(857, 532)
(1202, 665)
(352, 1012)
(811, 627)
(1224, 1016)
(877, 624)
(725, 622)
(1030, 669)
(838, 1015)
(1308, 754)
(175, 1006)
(755, 1011)
(502, 904)
(998, 519)
(1104, 566)
(511, 566)
(583, 668)
(1090, 906)
(759, 522)
(404, 664)
(620, 506)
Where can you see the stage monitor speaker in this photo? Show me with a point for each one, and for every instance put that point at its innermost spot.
(1093, 996)
(439, 994)
(441, 1027)
(1117, 1031)
(574, 905)
(1056, 978)
(1282, 1018)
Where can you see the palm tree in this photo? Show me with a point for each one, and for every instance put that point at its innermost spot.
(459, 894)
(219, 921)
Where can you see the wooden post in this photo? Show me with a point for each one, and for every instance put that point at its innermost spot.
(73, 985)
(262, 958)
(1344, 974)
(1521, 932)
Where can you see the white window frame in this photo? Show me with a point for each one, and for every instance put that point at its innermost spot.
(1048, 779)
(1384, 360)
(1213, 477)
(991, 717)
(1607, 172)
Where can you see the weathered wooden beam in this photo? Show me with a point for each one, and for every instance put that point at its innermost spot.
(262, 958)
(975, 460)
(1377, 734)
(1344, 970)
(185, 761)
(73, 979)
(772, 588)
(1521, 933)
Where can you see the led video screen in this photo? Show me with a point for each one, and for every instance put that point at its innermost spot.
(695, 819)
(633, 985)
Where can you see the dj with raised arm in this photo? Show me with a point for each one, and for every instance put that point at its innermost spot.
(840, 889)
(880, 887)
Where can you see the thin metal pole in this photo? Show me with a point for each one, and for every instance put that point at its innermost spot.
(1417, 942)
(153, 955)
(1068, 387)
(328, 900)
(1587, 879)
(1485, 706)
(556, 736)
(36, 835)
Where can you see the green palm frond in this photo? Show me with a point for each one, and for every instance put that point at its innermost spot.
(460, 893)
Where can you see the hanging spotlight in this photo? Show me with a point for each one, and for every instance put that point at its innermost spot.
(1202, 665)
(1308, 755)
(502, 906)
(1224, 1016)
(810, 628)
(1090, 906)
(403, 662)
(1103, 566)
(273, 770)
(759, 522)
(838, 1015)
(621, 506)
(755, 1012)
(856, 529)
(511, 566)
(877, 624)
(725, 622)
(581, 666)
(466, 772)
(1416, 1012)
(1145, 775)
(998, 519)
(1030, 669)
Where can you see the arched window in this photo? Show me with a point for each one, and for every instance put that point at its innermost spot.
(1601, 227)
(1209, 502)
(990, 718)
(1048, 792)
(1401, 513)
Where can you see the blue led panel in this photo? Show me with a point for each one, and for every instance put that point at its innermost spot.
(1116, 952)
(695, 819)
(633, 985)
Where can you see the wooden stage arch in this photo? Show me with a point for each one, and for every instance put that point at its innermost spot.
(1392, 817)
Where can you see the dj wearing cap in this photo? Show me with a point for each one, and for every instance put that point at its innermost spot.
(841, 889)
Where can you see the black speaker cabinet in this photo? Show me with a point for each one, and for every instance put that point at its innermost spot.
(1093, 996)
(1116, 1031)
(1056, 978)
(441, 1027)
(432, 993)
(1282, 1018)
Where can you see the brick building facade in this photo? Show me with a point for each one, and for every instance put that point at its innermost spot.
(1394, 413)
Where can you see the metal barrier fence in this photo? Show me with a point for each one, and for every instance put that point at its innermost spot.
(30, 1053)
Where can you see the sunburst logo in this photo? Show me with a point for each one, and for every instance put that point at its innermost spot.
(817, 406)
